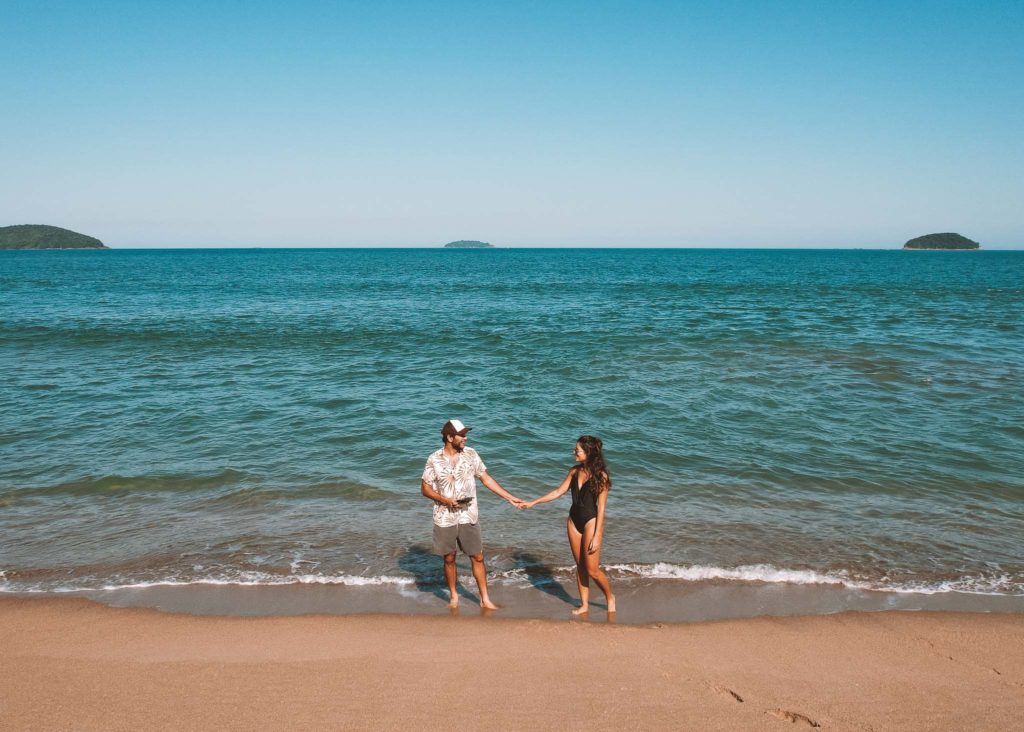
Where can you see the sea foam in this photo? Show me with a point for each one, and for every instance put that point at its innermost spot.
(994, 584)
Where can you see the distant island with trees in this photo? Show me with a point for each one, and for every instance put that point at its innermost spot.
(466, 244)
(41, 236)
(942, 241)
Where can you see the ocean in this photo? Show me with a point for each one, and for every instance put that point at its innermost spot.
(243, 431)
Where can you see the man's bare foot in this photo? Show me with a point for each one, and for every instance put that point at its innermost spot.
(583, 610)
(611, 604)
(488, 605)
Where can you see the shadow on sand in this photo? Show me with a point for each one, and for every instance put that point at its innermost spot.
(541, 577)
(427, 570)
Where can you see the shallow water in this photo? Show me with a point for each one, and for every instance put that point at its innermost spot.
(824, 418)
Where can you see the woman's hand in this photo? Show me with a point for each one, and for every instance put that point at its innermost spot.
(594, 546)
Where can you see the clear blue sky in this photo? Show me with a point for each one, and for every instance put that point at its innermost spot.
(780, 123)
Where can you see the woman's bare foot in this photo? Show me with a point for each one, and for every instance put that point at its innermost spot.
(611, 604)
(488, 605)
(583, 610)
(454, 602)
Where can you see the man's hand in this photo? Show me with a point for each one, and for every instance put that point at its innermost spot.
(517, 502)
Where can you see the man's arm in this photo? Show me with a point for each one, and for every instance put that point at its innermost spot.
(494, 487)
(433, 495)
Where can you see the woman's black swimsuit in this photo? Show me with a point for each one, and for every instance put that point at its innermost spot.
(584, 502)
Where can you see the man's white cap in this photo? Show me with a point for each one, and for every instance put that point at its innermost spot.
(455, 427)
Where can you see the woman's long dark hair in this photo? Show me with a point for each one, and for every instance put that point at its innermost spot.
(594, 462)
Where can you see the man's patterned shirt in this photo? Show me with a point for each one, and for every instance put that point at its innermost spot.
(454, 480)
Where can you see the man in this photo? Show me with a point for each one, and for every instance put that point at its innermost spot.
(449, 479)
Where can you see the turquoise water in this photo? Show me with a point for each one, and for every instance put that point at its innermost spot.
(262, 416)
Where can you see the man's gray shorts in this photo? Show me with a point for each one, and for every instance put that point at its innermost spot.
(463, 536)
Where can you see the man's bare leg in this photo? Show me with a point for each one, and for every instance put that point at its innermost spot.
(480, 573)
(450, 576)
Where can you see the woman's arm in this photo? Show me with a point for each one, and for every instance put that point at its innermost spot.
(595, 542)
(560, 490)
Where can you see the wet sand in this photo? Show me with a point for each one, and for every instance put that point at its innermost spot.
(641, 601)
(74, 664)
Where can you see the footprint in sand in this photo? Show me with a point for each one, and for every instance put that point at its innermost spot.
(728, 692)
(794, 717)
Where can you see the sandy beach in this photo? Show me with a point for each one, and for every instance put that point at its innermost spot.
(75, 664)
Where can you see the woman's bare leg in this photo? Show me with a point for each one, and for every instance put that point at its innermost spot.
(582, 580)
(593, 562)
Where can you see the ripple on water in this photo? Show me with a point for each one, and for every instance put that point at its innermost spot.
(818, 412)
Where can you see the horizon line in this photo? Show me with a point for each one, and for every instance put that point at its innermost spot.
(190, 247)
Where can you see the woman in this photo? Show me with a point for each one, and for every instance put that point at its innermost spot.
(590, 483)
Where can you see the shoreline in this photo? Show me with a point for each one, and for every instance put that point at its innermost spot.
(641, 601)
(72, 663)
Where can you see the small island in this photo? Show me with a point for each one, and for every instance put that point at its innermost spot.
(40, 236)
(942, 241)
(464, 244)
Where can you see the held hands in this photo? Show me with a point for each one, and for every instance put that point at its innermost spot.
(453, 505)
